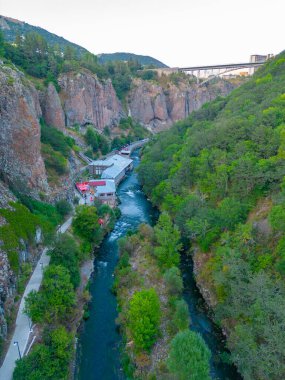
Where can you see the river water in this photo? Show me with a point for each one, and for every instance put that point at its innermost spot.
(98, 352)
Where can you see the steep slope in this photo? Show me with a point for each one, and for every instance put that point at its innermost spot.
(86, 100)
(20, 150)
(220, 175)
(157, 106)
(144, 60)
(12, 27)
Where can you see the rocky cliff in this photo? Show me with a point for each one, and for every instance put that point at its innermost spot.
(157, 106)
(51, 107)
(21, 162)
(7, 277)
(86, 100)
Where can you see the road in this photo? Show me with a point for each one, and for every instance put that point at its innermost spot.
(22, 327)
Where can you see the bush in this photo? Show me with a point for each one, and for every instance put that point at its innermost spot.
(56, 139)
(189, 357)
(173, 281)
(63, 207)
(181, 317)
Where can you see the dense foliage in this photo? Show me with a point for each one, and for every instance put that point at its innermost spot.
(86, 226)
(54, 302)
(143, 318)
(219, 174)
(189, 357)
(65, 252)
(142, 59)
(48, 360)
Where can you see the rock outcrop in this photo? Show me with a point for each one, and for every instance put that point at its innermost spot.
(21, 162)
(51, 108)
(157, 107)
(86, 100)
(7, 277)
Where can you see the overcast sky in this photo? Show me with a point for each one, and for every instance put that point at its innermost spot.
(177, 32)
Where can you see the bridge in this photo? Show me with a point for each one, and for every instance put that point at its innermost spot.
(209, 72)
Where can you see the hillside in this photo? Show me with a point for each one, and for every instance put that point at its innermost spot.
(220, 176)
(12, 27)
(144, 60)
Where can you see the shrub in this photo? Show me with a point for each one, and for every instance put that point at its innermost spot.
(143, 318)
(63, 207)
(173, 281)
(181, 317)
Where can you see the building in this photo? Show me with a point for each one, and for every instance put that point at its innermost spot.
(105, 191)
(102, 190)
(114, 167)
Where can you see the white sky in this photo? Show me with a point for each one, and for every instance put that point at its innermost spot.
(177, 32)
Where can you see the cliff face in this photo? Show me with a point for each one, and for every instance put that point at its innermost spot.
(87, 100)
(51, 108)
(20, 150)
(158, 107)
(7, 277)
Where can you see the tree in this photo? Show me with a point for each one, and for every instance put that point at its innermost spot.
(277, 218)
(85, 224)
(54, 302)
(189, 357)
(65, 252)
(49, 361)
(167, 236)
(143, 318)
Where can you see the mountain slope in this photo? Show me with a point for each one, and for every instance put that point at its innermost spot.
(220, 175)
(144, 60)
(12, 27)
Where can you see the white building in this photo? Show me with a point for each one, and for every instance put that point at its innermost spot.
(114, 167)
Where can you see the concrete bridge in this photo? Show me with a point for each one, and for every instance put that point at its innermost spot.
(209, 72)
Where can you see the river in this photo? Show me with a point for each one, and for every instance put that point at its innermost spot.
(98, 352)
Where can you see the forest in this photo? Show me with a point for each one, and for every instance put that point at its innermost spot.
(220, 176)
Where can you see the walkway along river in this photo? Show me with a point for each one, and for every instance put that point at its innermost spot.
(98, 356)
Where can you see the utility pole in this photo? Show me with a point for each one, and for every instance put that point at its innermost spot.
(16, 343)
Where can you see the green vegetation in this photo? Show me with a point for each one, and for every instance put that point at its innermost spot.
(151, 308)
(143, 318)
(86, 226)
(43, 58)
(96, 141)
(56, 148)
(142, 59)
(130, 132)
(56, 298)
(56, 307)
(189, 357)
(220, 176)
(48, 360)
(65, 252)
(167, 237)
(20, 224)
